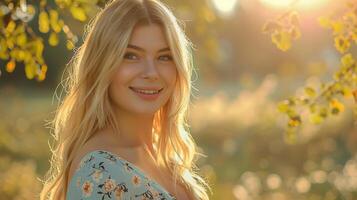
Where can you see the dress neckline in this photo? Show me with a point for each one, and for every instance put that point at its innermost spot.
(138, 169)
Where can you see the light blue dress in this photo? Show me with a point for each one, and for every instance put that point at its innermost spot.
(104, 175)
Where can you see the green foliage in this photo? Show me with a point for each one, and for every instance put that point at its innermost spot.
(241, 138)
(51, 24)
(283, 30)
(343, 27)
(325, 99)
(18, 41)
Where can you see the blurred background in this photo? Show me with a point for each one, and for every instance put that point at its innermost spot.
(239, 77)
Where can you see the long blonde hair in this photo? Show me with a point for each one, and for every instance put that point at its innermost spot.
(86, 107)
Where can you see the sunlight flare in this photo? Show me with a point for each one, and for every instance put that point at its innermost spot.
(225, 7)
(304, 4)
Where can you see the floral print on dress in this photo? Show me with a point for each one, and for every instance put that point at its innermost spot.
(87, 189)
(136, 180)
(109, 187)
(102, 175)
(97, 175)
(83, 162)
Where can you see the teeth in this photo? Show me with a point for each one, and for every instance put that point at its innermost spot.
(147, 91)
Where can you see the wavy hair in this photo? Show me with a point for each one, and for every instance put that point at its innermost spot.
(86, 107)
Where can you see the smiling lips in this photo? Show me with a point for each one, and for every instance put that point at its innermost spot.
(147, 93)
(146, 90)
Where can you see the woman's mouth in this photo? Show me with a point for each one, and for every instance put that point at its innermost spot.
(147, 93)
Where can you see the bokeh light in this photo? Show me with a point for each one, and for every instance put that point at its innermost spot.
(273, 181)
(226, 7)
(303, 4)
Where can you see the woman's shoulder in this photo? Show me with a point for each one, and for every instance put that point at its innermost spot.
(104, 161)
(104, 175)
(96, 171)
(99, 174)
(85, 151)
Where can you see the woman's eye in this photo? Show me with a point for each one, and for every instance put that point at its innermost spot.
(165, 57)
(130, 56)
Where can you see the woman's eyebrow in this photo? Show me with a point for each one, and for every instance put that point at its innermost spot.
(141, 49)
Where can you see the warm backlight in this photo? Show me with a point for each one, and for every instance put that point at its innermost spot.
(225, 6)
(304, 4)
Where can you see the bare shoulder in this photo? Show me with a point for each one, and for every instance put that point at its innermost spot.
(96, 142)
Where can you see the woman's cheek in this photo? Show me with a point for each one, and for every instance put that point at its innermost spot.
(170, 71)
(128, 70)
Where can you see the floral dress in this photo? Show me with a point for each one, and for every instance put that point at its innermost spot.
(103, 175)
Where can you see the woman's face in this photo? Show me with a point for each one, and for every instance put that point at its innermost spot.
(145, 79)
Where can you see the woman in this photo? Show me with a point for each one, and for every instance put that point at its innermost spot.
(120, 130)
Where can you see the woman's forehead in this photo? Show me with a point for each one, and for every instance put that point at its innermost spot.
(148, 37)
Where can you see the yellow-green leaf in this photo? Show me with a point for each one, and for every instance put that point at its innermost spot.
(323, 112)
(19, 29)
(336, 106)
(324, 22)
(282, 39)
(283, 106)
(61, 23)
(30, 71)
(346, 92)
(10, 42)
(315, 119)
(342, 43)
(14, 53)
(310, 91)
(78, 13)
(11, 26)
(347, 60)
(10, 66)
(294, 121)
(42, 74)
(54, 21)
(53, 39)
(39, 48)
(3, 46)
(27, 57)
(337, 27)
(31, 9)
(53, 15)
(22, 54)
(44, 23)
(21, 39)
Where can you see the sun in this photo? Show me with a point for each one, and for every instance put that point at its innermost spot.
(304, 4)
(225, 7)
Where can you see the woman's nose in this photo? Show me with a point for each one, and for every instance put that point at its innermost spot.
(150, 70)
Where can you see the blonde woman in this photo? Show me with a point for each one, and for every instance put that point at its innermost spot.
(120, 131)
